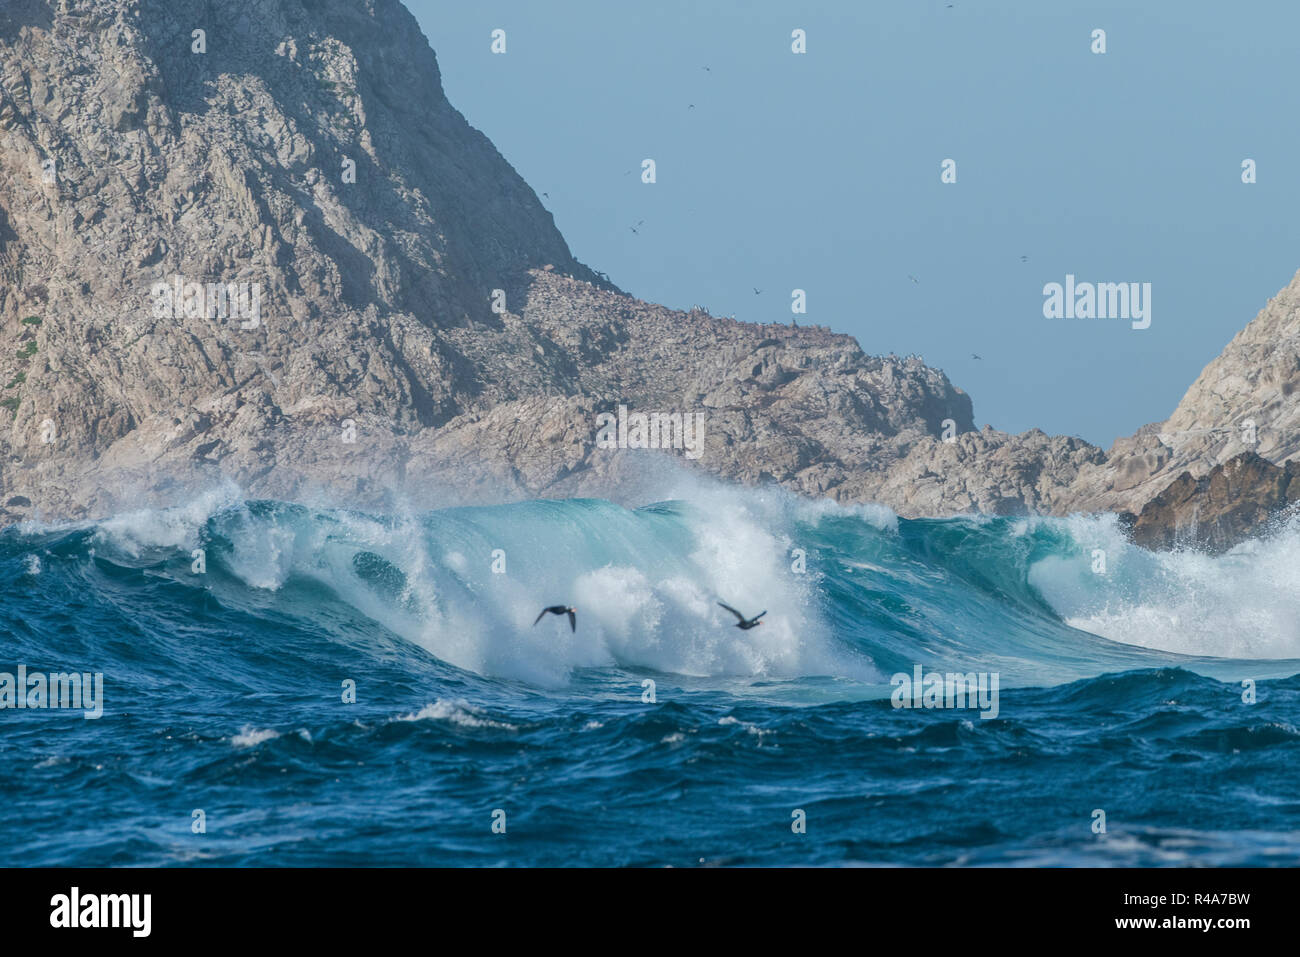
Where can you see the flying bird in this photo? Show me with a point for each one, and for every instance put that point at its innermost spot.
(758, 292)
(744, 623)
(633, 228)
(914, 279)
(1024, 259)
(974, 356)
(560, 610)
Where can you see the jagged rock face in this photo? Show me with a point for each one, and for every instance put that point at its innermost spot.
(129, 159)
(988, 471)
(1244, 401)
(424, 333)
(1233, 501)
(802, 407)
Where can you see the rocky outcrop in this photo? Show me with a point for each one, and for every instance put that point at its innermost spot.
(805, 408)
(422, 333)
(1246, 401)
(310, 153)
(423, 328)
(1233, 501)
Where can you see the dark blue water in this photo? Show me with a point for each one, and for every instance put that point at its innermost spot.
(223, 691)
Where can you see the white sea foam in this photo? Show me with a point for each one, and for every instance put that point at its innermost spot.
(250, 737)
(645, 583)
(1243, 604)
(176, 527)
(458, 712)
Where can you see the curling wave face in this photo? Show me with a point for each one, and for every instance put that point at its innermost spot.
(226, 629)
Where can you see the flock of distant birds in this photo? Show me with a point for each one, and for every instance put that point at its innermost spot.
(742, 622)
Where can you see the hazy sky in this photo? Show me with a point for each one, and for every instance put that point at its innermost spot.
(821, 171)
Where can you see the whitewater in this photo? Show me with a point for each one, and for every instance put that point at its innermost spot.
(319, 685)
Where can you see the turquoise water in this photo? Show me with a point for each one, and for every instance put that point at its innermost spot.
(658, 733)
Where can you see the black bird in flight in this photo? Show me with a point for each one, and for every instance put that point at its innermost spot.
(633, 228)
(758, 292)
(560, 610)
(745, 623)
(974, 356)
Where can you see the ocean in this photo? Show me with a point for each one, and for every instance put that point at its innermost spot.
(295, 685)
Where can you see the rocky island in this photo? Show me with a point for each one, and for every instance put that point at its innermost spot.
(370, 303)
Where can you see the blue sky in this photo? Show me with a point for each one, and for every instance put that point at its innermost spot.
(822, 172)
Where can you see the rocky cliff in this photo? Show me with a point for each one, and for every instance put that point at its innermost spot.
(418, 316)
(1234, 500)
(262, 245)
(1210, 475)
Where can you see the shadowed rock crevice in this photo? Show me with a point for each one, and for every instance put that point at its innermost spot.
(1235, 500)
